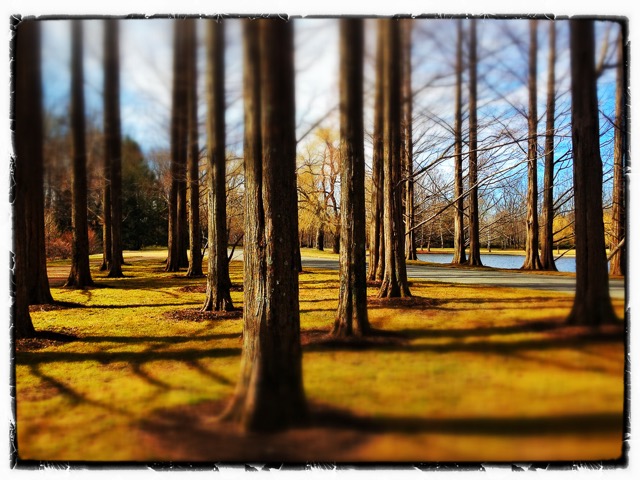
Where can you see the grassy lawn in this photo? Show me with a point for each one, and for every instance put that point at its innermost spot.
(478, 374)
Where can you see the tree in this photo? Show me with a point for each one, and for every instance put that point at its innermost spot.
(546, 241)
(618, 258)
(474, 220)
(80, 275)
(270, 394)
(112, 139)
(193, 154)
(394, 281)
(459, 255)
(407, 141)
(351, 318)
(592, 303)
(376, 235)
(218, 296)
(177, 193)
(27, 138)
(532, 257)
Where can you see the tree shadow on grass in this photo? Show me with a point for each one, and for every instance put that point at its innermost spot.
(193, 433)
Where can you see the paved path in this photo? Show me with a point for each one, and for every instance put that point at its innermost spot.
(554, 283)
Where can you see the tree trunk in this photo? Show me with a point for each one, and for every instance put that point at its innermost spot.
(218, 296)
(320, 238)
(270, 394)
(351, 317)
(407, 141)
(376, 235)
(592, 303)
(618, 260)
(193, 164)
(106, 216)
(112, 140)
(80, 275)
(28, 141)
(474, 217)
(532, 257)
(459, 254)
(546, 242)
(335, 247)
(175, 239)
(394, 282)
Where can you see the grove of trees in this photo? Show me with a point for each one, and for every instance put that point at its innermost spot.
(423, 147)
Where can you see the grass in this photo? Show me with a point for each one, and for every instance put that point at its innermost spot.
(484, 374)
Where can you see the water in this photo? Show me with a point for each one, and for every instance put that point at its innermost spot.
(496, 260)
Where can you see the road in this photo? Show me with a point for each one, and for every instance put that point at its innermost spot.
(536, 281)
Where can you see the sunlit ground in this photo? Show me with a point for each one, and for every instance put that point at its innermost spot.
(479, 374)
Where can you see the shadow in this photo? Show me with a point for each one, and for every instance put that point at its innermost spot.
(575, 424)
(138, 305)
(168, 339)
(490, 346)
(196, 365)
(529, 327)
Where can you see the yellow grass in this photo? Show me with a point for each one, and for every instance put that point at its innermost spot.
(482, 376)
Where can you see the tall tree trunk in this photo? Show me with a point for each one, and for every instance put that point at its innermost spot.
(28, 141)
(459, 254)
(335, 247)
(376, 234)
(270, 394)
(592, 303)
(38, 291)
(407, 141)
(175, 240)
(474, 217)
(618, 260)
(351, 317)
(80, 275)
(112, 143)
(193, 164)
(394, 281)
(546, 242)
(218, 296)
(532, 256)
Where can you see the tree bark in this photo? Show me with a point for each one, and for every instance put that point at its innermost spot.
(394, 281)
(474, 217)
(270, 394)
(320, 238)
(218, 296)
(532, 256)
(193, 164)
(407, 141)
(592, 303)
(459, 254)
(106, 216)
(28, 141)
(351, 317)
(546, 241)
(113, 144)
(80, 275)
(618, 260)
(376, 235)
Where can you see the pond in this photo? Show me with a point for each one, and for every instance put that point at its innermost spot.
(496, 260)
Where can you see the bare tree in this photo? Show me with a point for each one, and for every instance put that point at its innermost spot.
(474, 220)
(27, 131)
(618, 257)
(532, 257)
(270, 394)
(546, 241)
(459, 255)
(592, 303)
(376, 235)
(193, 153)
(394, 281)
(112, 139)
(351, 318)
(407, 141)
(218, 296)
(80, 275)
